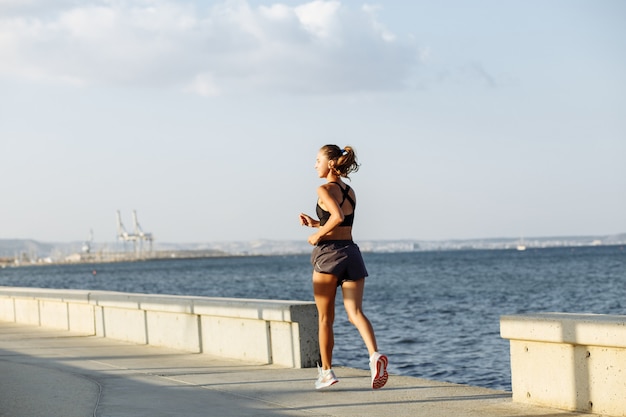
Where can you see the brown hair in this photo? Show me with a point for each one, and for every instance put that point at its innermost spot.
(345, 159)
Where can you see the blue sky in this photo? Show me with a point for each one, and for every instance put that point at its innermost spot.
(470, 119)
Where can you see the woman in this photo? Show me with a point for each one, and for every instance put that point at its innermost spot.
(337, 262)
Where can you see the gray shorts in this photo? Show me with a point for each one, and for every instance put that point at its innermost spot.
(341, 258)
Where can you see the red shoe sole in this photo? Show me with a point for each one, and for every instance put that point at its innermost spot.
(380, 379)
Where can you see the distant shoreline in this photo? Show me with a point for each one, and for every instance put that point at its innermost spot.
(115, 257)
(167, 255)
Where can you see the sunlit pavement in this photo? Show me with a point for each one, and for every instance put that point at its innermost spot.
(57, 373)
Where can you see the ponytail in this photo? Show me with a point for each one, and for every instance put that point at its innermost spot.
(345, 159)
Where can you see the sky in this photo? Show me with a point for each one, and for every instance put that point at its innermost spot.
(470, 119)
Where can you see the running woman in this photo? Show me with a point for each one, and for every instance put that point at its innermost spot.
(337, 262)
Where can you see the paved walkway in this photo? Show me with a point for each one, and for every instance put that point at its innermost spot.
(61, 374)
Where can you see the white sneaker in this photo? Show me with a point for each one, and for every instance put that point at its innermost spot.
(326, 378)
(378, 366)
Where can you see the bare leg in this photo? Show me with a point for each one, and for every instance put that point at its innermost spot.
(353, 302)
(324, 291)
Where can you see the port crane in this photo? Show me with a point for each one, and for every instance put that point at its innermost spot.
(138, 235)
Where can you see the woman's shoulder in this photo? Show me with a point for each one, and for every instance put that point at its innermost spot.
(336, 186)
(330, 187)
(324, 188)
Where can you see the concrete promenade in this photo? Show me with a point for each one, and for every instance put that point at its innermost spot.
(56, 373)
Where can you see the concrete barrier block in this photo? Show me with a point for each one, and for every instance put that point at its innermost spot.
(294, 345)
(7, 309)
(569, 377)
(285, 340)
(174, 330)
(306, 317)
(125, 324)
(27, 311)
(265, 331)
(568, 361)
(236, 338)
(81, 318)
(53, 314)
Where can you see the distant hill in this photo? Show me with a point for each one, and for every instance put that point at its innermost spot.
(19, 247)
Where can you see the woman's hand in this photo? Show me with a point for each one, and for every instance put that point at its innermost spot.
(306, 220)
(314, 239)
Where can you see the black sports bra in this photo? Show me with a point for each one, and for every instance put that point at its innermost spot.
(348, 219)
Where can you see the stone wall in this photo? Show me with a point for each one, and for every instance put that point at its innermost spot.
(568, 361)
(265, 331)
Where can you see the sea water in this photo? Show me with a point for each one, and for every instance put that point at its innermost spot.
(435, 314)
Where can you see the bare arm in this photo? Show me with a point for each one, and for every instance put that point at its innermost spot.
(336, 215)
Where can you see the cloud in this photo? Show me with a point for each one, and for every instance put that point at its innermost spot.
(319, 17)
(318, 47)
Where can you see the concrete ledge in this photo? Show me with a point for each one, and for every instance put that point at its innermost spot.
(265, 331)
(568, 361)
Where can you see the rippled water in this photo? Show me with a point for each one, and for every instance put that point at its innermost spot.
(436, 314)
